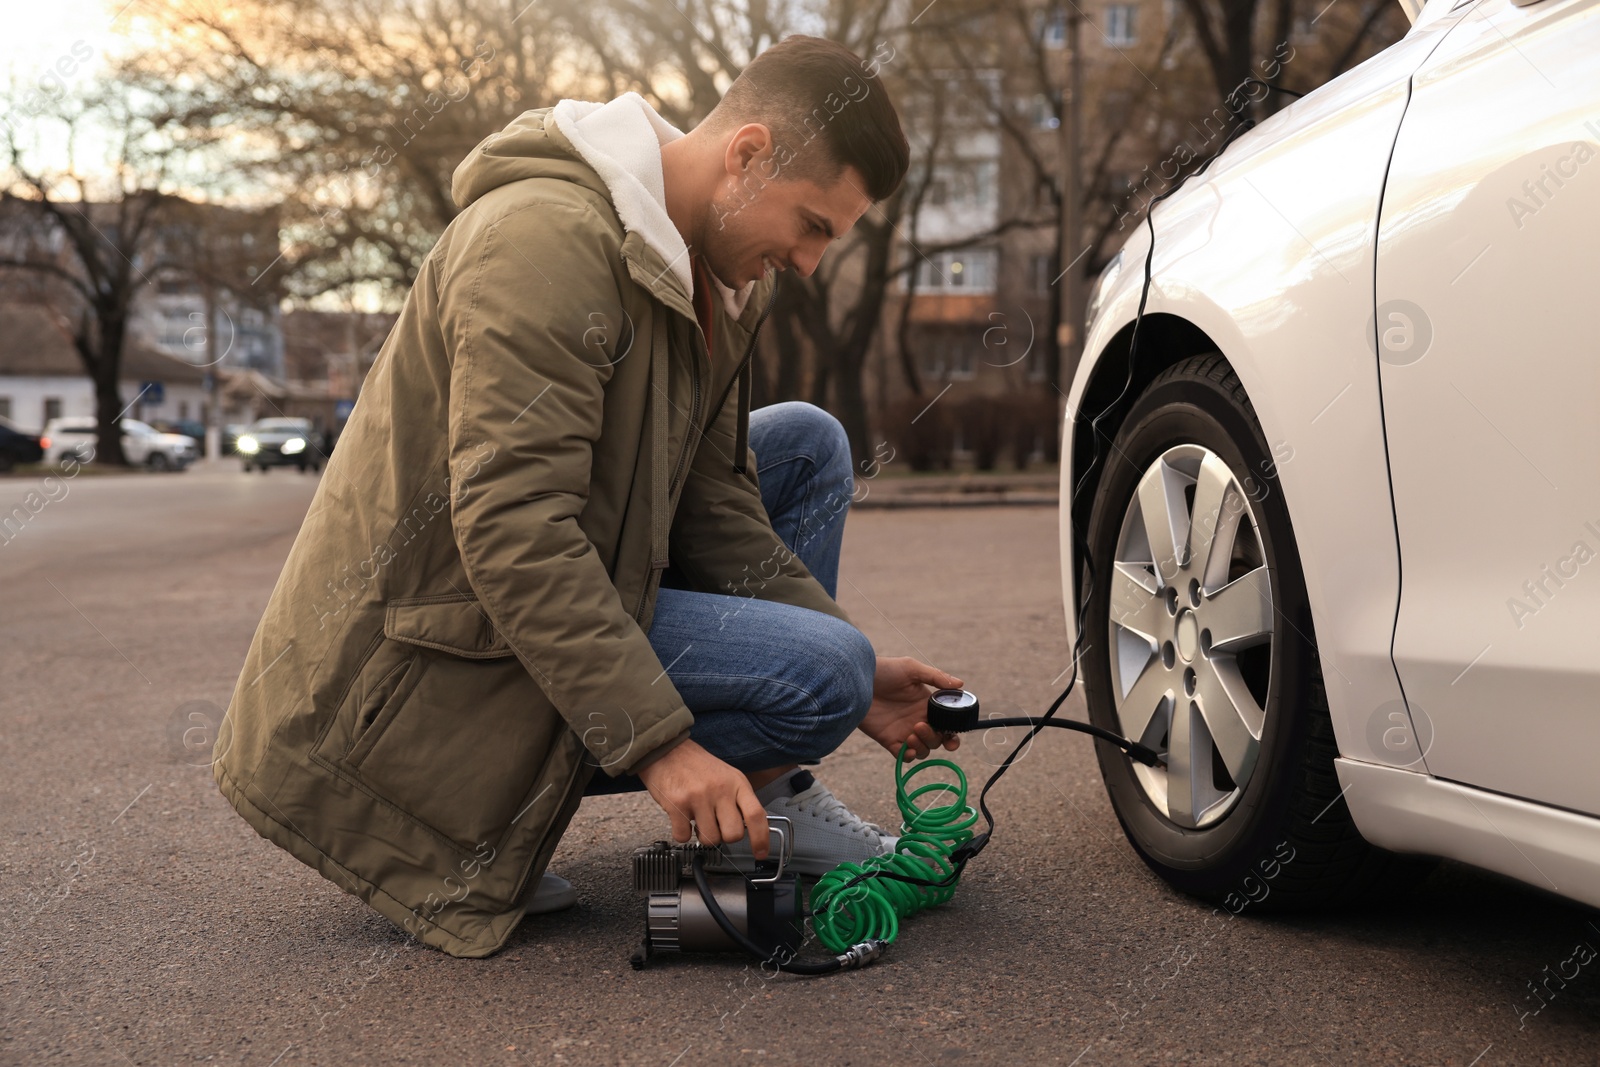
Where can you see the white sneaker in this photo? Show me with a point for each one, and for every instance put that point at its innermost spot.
(826, 833)
(553, 893)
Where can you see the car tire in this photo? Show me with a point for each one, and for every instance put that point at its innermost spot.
(158, 461)
(1247, 818)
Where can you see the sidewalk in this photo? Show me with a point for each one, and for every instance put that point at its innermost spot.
(955, 489)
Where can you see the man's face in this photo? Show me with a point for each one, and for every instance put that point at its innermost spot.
(758, 223)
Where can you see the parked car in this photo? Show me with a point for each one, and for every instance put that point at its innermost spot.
(281, 442)
(187, 427)
(1367, 351)
(194, 428)
(142, 444)
(17, 446)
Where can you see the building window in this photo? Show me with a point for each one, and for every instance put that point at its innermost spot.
(949, 352)
(1042, 194)
(1042, 113)
(52, 408)
(973, 99)
(1039, 273)
(1119, 24)
(5, 407)
(967, 271)
(183, 410)
(968, 183)
(183, 329)
(1034, 364)
(1051, 27)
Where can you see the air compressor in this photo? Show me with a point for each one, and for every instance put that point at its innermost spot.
(854, 909)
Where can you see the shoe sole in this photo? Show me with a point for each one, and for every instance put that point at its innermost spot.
(557, 902)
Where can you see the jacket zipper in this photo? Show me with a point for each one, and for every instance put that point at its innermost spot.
(694, 422)
(672, 485)
(749, 350)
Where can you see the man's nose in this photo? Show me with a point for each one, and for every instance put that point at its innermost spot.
(805, 259)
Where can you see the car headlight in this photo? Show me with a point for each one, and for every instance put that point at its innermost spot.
(1107, 278)
(248, 445)
(293, 445)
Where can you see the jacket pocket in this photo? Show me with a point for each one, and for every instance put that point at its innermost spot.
(378, 704)
(463, 737)
(454, 624)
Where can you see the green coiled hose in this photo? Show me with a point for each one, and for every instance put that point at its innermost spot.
(856, 902)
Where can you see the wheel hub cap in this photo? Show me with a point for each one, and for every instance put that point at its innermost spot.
(1188, 633)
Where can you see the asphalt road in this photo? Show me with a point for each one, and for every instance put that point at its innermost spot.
(147, 924)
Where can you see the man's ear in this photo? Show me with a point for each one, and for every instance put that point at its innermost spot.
(749, 144)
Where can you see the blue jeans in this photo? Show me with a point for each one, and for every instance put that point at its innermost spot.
(771, 684)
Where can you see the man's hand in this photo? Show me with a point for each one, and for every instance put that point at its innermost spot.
(693, 786)
(899, 712)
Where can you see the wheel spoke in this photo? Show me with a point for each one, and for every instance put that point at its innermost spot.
(1213, 522)
(1239, 614)
(1186, 747)
(1166, 517)
(1231, 715)
(1134, 600)
(1149, 691)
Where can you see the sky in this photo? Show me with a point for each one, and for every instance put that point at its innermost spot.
(45, 37)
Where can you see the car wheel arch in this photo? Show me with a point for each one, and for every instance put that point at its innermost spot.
(1164, 341)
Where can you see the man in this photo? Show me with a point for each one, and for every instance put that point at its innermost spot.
(542, 548)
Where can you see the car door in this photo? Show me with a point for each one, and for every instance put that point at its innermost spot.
(137, 438)
(1485, 331)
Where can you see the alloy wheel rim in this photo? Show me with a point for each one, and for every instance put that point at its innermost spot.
(1192, 633)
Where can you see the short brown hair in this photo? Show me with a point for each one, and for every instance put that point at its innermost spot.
(806, 88)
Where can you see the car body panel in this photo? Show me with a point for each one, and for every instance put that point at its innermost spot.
(1277, 270)
(1486, 266)
(1409, 812)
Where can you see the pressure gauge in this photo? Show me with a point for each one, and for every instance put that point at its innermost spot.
(952, 711)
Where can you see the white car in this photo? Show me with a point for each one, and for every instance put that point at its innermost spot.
(1332, 531)
(142, 444)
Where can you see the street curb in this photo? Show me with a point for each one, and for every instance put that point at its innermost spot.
(886, 501)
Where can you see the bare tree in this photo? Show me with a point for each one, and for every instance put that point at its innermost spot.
(1243, 39)
(93, 241)
(354, 113)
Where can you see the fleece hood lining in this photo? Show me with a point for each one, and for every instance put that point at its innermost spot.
(622, 141)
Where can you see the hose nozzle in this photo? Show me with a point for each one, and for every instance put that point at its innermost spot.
(859, 955)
